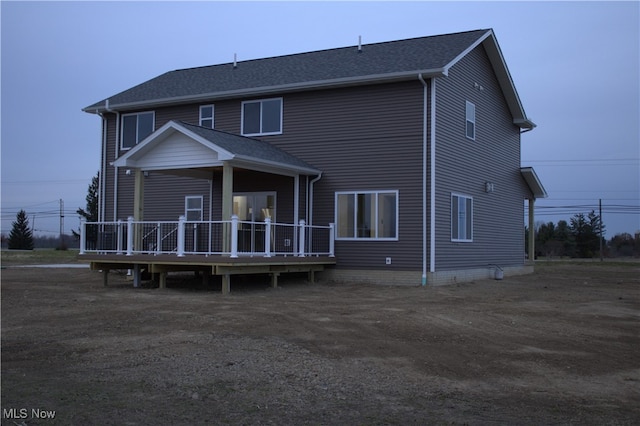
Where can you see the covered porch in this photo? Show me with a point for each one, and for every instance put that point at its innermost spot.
(226, 246)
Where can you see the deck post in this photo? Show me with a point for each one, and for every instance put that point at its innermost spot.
(274, 279)
(226, 284)
(159, 239)
(119, 237)
(162, 280)
(301, 235)
(136, 275)
(181, 235)
(130, 236)
(332, 240)
(83, 235)
(267, 237)
(234, 236)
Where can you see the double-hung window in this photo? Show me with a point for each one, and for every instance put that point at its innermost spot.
(367, 215)
(262, 117)
(136, 127)
(471, 120)
(193, 208)
(206, 116)
(461, 218)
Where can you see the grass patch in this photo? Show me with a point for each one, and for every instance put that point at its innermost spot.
(37, 256)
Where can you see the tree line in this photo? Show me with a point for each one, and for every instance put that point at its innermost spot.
(582, 237)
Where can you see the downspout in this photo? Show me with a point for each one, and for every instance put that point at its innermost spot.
(432, 228)
(424, 180)
(310, 215)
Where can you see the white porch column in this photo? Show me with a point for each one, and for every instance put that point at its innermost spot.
(267, 237)
(227, 205)
(532, 232)
(301, 233)
(138, 208)
(83, 235)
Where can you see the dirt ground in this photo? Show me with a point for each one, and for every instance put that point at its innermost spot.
(561, 346)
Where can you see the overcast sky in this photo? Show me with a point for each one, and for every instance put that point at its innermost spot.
(575, 66)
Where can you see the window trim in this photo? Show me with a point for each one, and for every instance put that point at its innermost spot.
(468, 220)
(138, 140)
(377, 193)
(470, 118)
(212, 118)
(260, 101)
(187, 209)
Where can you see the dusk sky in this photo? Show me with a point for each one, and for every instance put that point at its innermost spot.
(576, 66)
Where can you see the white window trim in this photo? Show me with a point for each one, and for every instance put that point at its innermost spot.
(187, 209)
(470, 119)
(355, 215)
(260, 101)
(122, 147)
(212, 118)
(470, 231)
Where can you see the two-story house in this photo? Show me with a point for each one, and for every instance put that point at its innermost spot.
(410, 149)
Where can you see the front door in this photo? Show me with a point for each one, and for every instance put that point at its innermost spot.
(252, 209)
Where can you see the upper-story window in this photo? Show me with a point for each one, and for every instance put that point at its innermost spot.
(136, 127)
(206, 116)
(262, 117)
(471, 120)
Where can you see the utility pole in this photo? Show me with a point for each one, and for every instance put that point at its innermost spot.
(600, 216)
(61, 224)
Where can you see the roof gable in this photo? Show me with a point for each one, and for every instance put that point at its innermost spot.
(179, 145)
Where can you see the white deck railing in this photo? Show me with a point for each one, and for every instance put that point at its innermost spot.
(232, 238)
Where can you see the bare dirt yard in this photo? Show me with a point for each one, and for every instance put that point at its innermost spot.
(561, 346)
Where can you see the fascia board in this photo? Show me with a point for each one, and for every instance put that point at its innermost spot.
(268, 90)
(534, 183)
(271, 166)
(466, 52)
(503, 75)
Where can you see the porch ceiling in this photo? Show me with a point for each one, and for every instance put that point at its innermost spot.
(187, 150)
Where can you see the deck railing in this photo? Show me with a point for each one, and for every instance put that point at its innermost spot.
(233, 238)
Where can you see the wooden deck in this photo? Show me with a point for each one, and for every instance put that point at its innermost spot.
(223, 266)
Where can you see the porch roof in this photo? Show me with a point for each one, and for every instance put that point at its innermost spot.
(534, 183)
(186, 149)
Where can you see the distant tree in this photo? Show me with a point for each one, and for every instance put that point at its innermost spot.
(91, 212)
(21, 237)
(586, 233)
(624, 245)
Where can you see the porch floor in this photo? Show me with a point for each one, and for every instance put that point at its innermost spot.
(224, 266)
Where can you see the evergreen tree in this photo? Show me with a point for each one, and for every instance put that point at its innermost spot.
(91, 212)
(586, 233)
(20, 237)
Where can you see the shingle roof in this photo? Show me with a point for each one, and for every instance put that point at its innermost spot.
(246, 148)
(395, 58)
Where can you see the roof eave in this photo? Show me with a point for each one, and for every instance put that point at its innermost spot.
(267, 90)
(533, 182)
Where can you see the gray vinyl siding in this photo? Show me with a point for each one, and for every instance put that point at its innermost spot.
(363, 138)
(463, 166)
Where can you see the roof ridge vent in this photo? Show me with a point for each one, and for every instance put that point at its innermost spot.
(359, 44)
